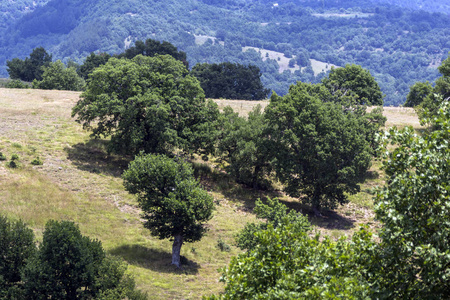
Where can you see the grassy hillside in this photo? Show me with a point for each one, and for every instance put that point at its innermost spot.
(80, 182)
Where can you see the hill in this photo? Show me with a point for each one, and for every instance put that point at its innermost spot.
(399, 46)
(441, 6)
(80, 182)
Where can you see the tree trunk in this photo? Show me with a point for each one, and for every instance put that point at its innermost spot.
(176, 248)
(316, 210)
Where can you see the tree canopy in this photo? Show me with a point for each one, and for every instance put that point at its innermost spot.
(243, 148)
(30, 68)
(91, 62)
(230, 81)
(322, 149)
(173, 203)
(16, 247)
(414, 209)
(153, 47)
(146, 104)
(440, 93)
(353, 80)
(57, 76)
(285, 262)
(417, 93)
(67, 265)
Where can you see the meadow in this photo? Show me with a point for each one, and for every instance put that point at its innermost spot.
(79, 181)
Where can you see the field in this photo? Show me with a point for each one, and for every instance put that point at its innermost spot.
(80, 182)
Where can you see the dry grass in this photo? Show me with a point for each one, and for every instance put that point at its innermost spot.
(79, 181)
(243, 107)
(401, 117)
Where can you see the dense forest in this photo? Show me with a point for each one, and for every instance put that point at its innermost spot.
(288, 40)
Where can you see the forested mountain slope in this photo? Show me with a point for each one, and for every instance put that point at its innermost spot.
(442, 6)
(289, 40)
(11, 10)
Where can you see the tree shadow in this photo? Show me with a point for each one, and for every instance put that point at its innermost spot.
(370, 175)
(329, 219)
(219, 181)
(152, 259)
(93, 157)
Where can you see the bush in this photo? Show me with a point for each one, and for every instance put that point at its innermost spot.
(37, 162)
(17, 84)
(222, 245)
(2, 156)
(14, 163)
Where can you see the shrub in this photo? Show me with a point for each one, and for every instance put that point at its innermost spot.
(17, 84)
(37, 162)
(222, 245)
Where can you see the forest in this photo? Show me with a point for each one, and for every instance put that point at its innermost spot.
(294, 41)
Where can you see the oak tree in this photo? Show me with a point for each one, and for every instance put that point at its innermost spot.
(173, 203)
(146, 104)
(322, 151)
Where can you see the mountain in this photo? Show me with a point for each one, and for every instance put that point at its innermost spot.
(289, 40)
(440, 6)
(11, 11)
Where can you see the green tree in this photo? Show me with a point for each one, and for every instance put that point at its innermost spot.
(441, 92)
(289, 264)
(147, 103)
(243, 148)
(91, 62)
(16, 248)
(17, 84)
(274, 213)
(30, 68)
(69, 265)
(173, 203)
(230, 81)
(152, 48)
(322, 150)
(57, 77)
(356, 81)
(417, 93)
(415, 212)
(65, 265)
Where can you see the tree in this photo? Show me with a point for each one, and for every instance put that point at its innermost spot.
(289, 264)
(353, 79)
(417, 93)
(65, 265)
(57, 77)
(440, 93)
(30, 68)
(415, 212)
(275, 214)
(16, 248)
(69, 265)
(147, 104)
(322, 151)
(230, 81)
(91, 62)
(243, 148)
(152, 48)
(173, 203)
